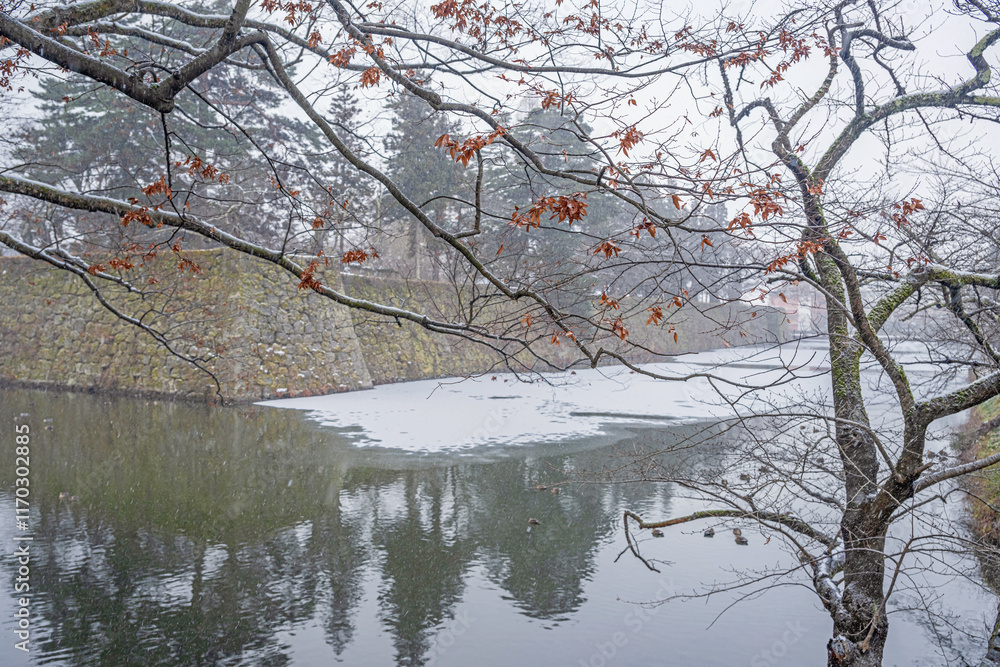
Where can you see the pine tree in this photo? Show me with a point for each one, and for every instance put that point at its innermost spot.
(427, 174)
(350, 191)
(94, 140)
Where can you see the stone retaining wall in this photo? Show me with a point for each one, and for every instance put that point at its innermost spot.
(259, 335)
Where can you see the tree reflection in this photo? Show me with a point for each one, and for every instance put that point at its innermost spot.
(204, 536)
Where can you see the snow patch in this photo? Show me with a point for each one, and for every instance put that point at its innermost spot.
(456, 414)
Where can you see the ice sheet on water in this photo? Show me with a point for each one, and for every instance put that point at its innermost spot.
(452, 414)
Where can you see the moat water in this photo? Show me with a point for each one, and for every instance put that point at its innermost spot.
(193, 535)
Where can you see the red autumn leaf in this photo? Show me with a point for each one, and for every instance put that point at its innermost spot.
(463, 152)
(359, 255)
(120, 264)
(159, 187)
(907, 208)
(609, 248)
(186, 264)
(618, 328)
(140, 215)
(342, 58)
(198, 167)
(644, 225)
(308, 280)
(567, 208)
(628, 138)
(370, 77)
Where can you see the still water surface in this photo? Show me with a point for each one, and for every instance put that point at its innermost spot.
(257, 536)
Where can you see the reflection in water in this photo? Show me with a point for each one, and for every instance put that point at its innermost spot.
(208, 536)
(200, 533)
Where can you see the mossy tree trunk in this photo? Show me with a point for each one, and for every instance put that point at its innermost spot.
(859, 629)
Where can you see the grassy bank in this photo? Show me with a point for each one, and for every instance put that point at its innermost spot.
(981, 438)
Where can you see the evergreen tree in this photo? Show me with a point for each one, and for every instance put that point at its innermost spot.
(350, 191)
(94, 140)
(555, 252)
(427, 174)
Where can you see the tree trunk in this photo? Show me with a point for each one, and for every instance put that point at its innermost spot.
(859, 625)
(842, 652)
(992, 658)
